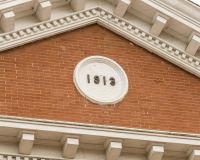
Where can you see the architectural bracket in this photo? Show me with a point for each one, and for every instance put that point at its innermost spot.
(108, 140)
(155, 153)
(191, 149)
(193, 43)
(151, 144)
(195, 155)
(70, 147)
(7, 20)
(65, 136)
(158, 26)
(26, 139)
(113, 150)
(78, 5)
(121, 8)
(159, 22)
(44, 11)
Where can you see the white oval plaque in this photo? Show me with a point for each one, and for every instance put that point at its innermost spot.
(101, 80)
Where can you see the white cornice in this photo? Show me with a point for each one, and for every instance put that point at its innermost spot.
(174, 13)
(185, 8)
(20, 122)
(55, 131)
(110, 21)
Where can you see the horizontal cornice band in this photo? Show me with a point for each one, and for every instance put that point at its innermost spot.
(36, 124)
(64, 129)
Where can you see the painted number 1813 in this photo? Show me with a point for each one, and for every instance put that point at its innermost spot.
(97, 80)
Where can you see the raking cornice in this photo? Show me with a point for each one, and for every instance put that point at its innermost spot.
(108, 20)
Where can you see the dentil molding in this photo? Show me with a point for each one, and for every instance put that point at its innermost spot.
(110, 21)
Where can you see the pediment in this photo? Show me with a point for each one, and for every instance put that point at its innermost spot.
(104, 16)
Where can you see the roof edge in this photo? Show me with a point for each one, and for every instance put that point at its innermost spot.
(93, 126)
(110, 21)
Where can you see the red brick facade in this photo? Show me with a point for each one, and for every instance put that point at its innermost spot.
(36, 81)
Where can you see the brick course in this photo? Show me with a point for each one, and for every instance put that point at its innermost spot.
(36, 81)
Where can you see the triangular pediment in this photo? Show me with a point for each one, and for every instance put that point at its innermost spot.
(103, 16)
(37, 82)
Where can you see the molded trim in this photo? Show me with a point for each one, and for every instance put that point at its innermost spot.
(109, 21)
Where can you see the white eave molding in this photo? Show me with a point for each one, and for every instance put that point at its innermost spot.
(113, 144)
(110, 21)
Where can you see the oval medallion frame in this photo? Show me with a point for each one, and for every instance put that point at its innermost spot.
(102, 93)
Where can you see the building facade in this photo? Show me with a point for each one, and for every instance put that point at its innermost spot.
(99, 79)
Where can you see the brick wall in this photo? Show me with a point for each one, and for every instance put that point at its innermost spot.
(36, 80)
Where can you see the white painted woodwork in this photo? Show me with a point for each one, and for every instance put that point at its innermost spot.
(195, 155)
(8, 21)
(9, 158)
(175, 34)
(119, 26)
(158, 26)
(64, 137)
(109, 140)
(28, 29)
(151, 144)
(70, 147)
(26, 143)
(50, 137)
(155, 153)
(191, 149)
(113, 150)
(44, 11)
(193, 45)
(78, 5)
(186, 8)
(121, 8)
